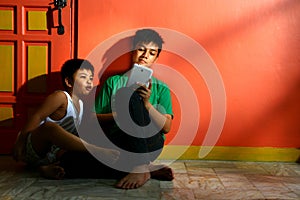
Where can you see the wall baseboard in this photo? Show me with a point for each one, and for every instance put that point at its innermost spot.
(259, 154)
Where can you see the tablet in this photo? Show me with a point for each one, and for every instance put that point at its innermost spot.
(139, 74)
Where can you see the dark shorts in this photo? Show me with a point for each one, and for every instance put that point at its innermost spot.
(32, 158)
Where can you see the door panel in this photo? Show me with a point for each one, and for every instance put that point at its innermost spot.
(31, 54)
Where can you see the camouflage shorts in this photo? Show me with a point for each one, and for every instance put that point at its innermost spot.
(32, 158)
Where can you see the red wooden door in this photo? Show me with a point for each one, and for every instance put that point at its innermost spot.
(31, 54)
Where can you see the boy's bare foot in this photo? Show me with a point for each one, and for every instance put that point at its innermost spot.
(133, 180)
(52, 171)
(161, 172)
(138, 177)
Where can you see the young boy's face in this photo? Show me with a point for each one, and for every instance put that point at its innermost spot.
(145, 54)
(83, 82)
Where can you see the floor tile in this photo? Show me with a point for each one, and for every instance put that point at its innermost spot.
(279, 169)
(227, 194)
(182, 194)
(208, 182)
(183, 181)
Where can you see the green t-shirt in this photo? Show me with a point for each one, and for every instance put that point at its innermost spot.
(160, 95)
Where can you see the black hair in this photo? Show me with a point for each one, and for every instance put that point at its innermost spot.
(147, 36)
(70, 67)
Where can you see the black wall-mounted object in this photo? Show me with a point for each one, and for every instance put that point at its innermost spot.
(60, 4)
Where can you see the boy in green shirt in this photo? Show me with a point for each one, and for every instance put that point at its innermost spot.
(147, 105)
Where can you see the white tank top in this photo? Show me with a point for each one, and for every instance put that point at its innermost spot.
(71, 121)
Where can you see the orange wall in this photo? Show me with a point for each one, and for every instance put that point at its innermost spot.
(254, 45)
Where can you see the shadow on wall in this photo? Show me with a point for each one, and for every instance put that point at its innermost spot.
(116, 59)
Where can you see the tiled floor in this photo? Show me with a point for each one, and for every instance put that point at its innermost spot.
(193, 180)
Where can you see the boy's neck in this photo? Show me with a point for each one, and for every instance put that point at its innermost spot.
(74, 97)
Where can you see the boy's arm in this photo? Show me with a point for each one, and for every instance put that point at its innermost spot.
(106, 120)
(162, 120)
(49, 106)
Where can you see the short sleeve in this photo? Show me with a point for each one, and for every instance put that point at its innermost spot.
(165, 100)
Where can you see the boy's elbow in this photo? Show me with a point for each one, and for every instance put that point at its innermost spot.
(168, 124)
(167, 128)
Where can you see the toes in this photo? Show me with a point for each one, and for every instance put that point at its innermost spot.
(120, 183)
(131, 181)
(61, 174)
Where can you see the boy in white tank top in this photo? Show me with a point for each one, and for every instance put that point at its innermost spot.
(53, 127)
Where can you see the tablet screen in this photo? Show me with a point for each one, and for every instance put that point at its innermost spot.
(139, 74)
